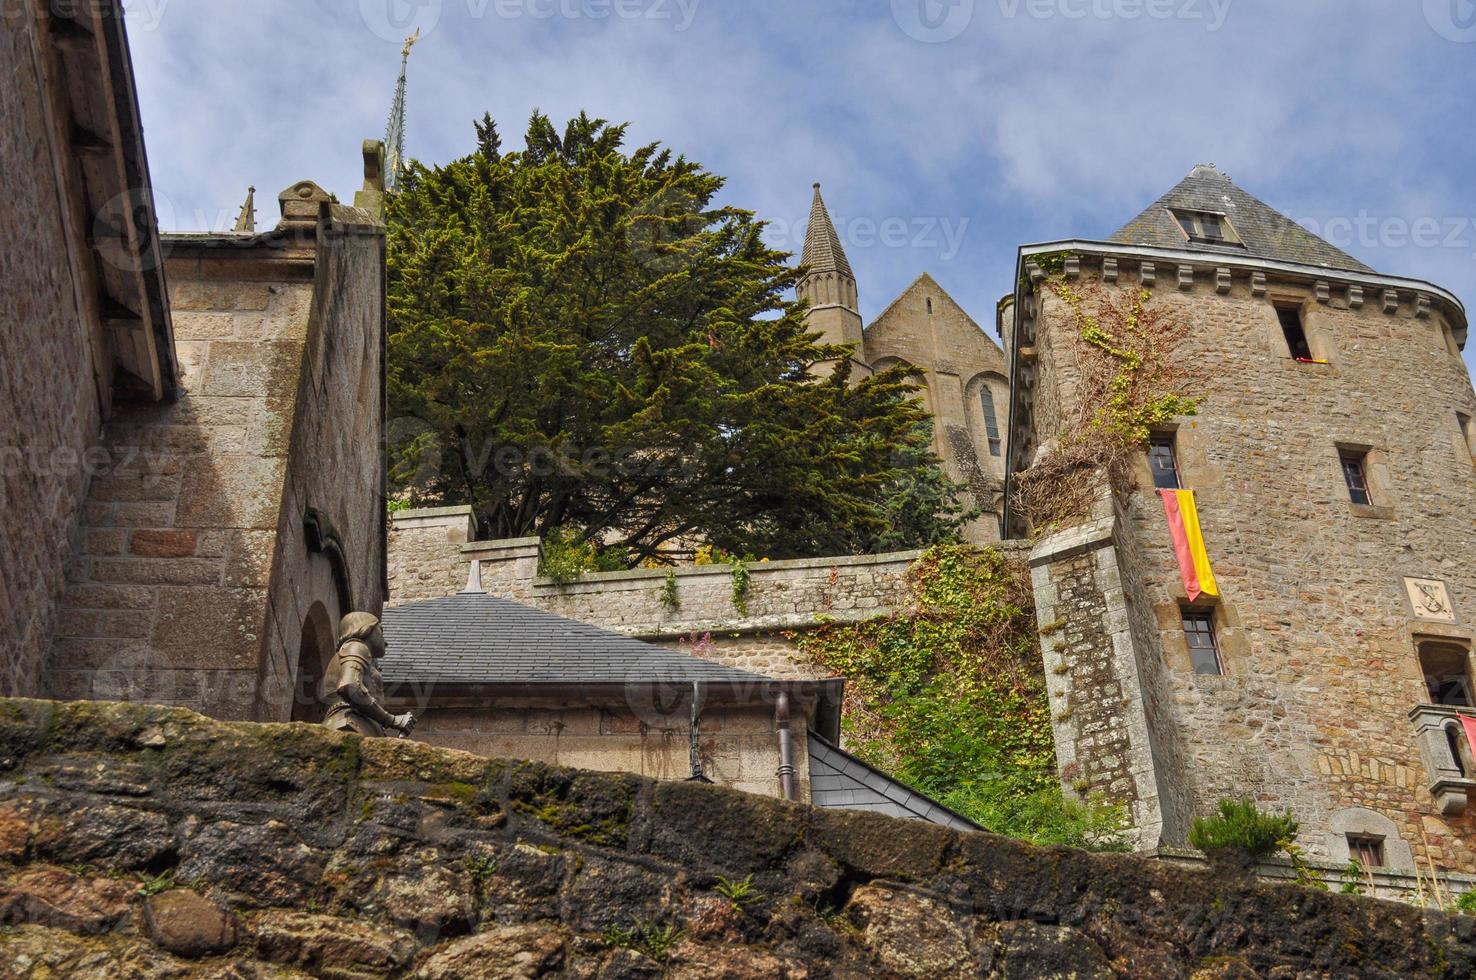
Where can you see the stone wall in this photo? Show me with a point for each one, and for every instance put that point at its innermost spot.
(192, 583)
(738, 745)
(925, 327)
(1316, 633)
(291, 850)
(51, 380)
(430, 552)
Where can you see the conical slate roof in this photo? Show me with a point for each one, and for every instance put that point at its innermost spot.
(823, 251)
(1265, 232)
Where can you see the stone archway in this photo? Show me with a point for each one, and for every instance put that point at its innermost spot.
(314, 652)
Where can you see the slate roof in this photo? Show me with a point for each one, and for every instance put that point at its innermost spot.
(1266, 233)
(823, 251)
(839, 779)
(477, 638)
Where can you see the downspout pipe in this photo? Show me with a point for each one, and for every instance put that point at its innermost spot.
(786, 746)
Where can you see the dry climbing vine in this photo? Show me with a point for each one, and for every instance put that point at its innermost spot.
(1129, 382)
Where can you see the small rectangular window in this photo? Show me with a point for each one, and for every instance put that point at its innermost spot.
(1206, 227)
(991, 422)
(1163, 463)
(1296, 335)
(1355, 474)
(1204, 648)
(1467, 433)
(1366, 849)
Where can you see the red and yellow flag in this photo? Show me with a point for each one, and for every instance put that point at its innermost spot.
(1194, 563)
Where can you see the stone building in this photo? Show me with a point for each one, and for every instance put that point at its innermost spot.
(1331, 459)
(963, 370)
(192, 470)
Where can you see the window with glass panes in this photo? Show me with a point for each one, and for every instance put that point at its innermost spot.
(1204, 647)
(991, 421)
(1163, 463)
(1355, 474)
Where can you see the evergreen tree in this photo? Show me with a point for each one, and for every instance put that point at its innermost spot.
(581, 339)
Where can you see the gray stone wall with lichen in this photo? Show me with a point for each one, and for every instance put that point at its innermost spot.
(151, 842)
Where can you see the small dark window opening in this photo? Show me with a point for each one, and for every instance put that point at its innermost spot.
(1445, 670)
(930, 304)
(1367, 850)
(1163, 463)
(1453, 738)
(991, 421)
(1467, 434)
(1296, 335)
(1204, 647)
(1356, 476)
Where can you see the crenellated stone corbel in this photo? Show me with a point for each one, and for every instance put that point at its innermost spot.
(1223, 280)
(1258, 284)
(1148, 274)
(1072, 267)
(1186, 277)
(1391, 301)
(1422, 306)
(1355, 297)
(1322, 291)
(1109, 269)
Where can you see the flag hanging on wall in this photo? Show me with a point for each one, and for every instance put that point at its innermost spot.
(1194, 563)
(1469, 725)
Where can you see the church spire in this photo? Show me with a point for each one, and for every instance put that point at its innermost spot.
(246, 220)
(823, 251)
(394, 132)
(829, 287)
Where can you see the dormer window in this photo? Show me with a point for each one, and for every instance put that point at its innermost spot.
(1207, 228)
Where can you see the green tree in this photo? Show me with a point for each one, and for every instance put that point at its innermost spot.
(581, 338)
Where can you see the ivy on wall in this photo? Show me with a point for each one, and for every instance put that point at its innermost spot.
(1131, 381)
(948, 695)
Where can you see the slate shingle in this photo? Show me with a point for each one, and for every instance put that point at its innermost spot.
(484, 639)
(1266, 232)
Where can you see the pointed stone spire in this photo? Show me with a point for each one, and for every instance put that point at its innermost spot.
(823, 251)
(394, 132)
(830, 287)
(246, 220)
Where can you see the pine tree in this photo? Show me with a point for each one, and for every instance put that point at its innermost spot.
(581, 338)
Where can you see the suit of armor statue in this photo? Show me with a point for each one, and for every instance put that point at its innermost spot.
(352, 679)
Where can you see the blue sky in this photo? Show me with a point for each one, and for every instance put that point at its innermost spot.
(945, 132)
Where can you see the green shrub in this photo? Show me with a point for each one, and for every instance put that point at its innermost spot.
(1240, 826)
(567, 555)
(1467, 902)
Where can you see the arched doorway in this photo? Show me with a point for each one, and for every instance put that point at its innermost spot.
(312, 660)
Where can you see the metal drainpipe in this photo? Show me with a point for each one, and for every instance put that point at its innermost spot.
(786, 746)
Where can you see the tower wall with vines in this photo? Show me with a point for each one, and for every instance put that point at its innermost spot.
(1318, 635)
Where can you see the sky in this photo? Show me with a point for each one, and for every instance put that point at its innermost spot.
(945, 133)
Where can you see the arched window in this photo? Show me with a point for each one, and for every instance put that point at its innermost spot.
(313, 654)
(991, 420)
(1455, 738)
